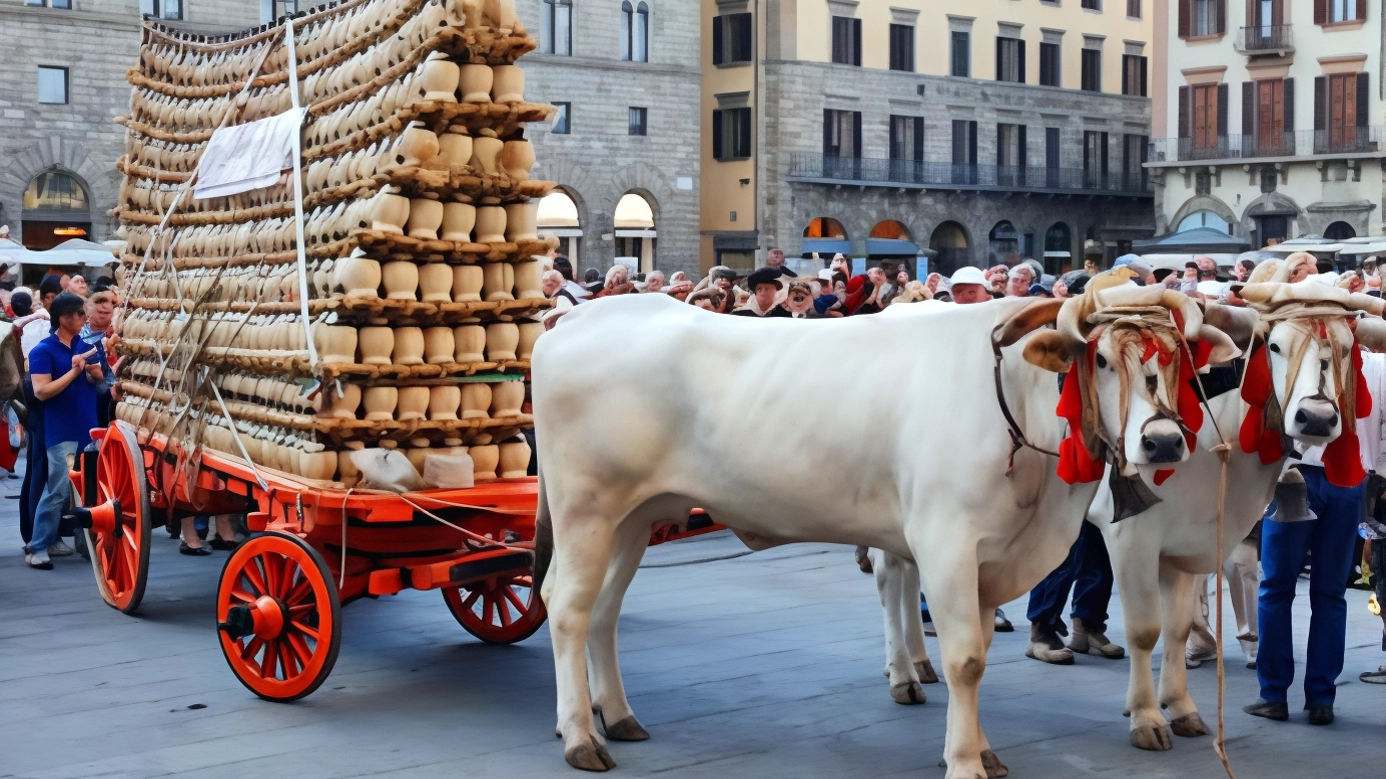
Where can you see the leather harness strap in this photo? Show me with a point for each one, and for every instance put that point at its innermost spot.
(1018, 439)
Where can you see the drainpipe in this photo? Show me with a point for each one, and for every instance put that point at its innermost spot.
(762, 9)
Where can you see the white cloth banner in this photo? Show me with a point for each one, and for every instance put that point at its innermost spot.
(248, 156)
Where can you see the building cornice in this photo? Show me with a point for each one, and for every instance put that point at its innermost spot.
(560, 60)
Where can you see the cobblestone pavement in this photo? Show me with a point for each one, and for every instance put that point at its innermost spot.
(764, 665)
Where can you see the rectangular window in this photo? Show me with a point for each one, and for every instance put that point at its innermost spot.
(1199, 18)
(1010, 154)
(1268, 117)
(1092, 70)
(846, 40)
(1094, 159)
(961, 59)
(1133, 8)
(1049, 65)
(162, 9)
(907, 138)
(964, 151)
(731, 134)
(1330, 11)
(52, 85)
(1093, 5)
(556, 27)
(66, 4)
(1010, 60)
(636, 121)
(902, 47)
(731, 39)
(1340, 112)
(1208, 112)
(1133, 75)
(1133, 157)
(1052, 177)
(561, 114)
(841, 133)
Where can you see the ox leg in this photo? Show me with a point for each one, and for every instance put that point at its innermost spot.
(896, 579)
(914, 626)
(990, 761)
(953, 599)
(582, 549)
(1177, 599)
(609, 692)
(1138, 584)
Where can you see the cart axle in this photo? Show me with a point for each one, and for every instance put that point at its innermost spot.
(103, 519)
(264, 618)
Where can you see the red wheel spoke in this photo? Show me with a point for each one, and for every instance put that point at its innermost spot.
(304, 629)
(254, 576)
(268, 665)
(289, 577)
(287, 666)
(251, 647)
(487, 611)
(243, 597)
(515, 599)
(300, 590)
(302, 653)
(470, 600)
(303, 607)
(270, 564)
(504, 611)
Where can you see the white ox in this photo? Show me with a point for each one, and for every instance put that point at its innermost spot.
(646, 408)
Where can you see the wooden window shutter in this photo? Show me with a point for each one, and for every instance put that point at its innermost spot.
(1222, 109)
(1289, 106)
(1145, 73)
(1361, 10)
(1248, 108)
(1185, 131)
(919, 139)
(1221, 7)
(856, 133)
(972, 143)
(717, 135)
(1320, 11)
(1185, 15)
(717, 24)
(1020, 145)
(1125, 75)
(1363, 98)
(1320, 102)
(1020, 54)
(1251, 13)
(856, 41)
(1000, 44)
(828, 145)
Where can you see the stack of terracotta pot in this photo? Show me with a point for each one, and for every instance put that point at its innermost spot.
(420, 278)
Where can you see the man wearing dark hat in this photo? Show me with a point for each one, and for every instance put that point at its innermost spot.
(765, 286)
(65, 373)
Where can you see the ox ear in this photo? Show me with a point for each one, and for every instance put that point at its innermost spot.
(1050, 350)
(1371, 333)
(1223, 347)
(1258, 292)
(1029, 319)
(1237, 322)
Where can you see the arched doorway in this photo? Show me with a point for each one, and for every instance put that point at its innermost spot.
(890, 241)
(56, 209)
(1339, 231)
(826, 237)
(1005, 245)
(949, 239)
(1204, 219)
(558, 216)
(1058, 248)
(635, 233)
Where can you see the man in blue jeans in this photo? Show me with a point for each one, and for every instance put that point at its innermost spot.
(65, 372)
(1328, 542)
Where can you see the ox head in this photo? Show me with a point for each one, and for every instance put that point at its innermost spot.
(1303, 379)
(1129, 353)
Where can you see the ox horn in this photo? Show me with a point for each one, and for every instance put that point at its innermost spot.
(1359, 302)
(1371, 333)
(1237, 322)
(1069, 322)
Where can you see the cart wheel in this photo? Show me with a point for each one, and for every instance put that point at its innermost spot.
(120, 550)
(499, 610)
(278, 617)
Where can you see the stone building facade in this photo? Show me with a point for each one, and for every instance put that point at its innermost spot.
(589, 62)
(81, 50)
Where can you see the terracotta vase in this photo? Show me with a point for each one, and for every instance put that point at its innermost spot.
(417, 145)
(506, 399)
(529, 280)
(458, 221)
(409, 346)
(401, 280)
(424, 218)
(356, 276)
(514, 460)
(438, 78)
(388, 213)
(472, 14)
(412, 405)
(439, 345)
(418, 457)
(470, 343)
(529, 333)
(467, 282)
(380, 403)
(490, 224)
(507, 84)
(319, 466)
(498, 281)
(376, 344)
(484, 461)
(444, 402)
(476, 400)
(486, 155)
(517, 157)
(345, 405)
(522, 222)
(335, 343)
(475, 81)
(435, 283)
(454, 149)
(501, 340)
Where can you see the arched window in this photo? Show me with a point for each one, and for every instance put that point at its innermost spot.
(950, 241)
(56, 191)
(1339, 231)
(635, 32)
(1204, 219)
(558, 216)
(556, 27)
(635, 232)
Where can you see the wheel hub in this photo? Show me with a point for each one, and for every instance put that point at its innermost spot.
(264, 618)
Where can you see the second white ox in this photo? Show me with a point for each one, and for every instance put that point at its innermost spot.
(697, 410)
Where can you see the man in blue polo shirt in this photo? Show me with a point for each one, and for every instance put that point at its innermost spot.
(65, 372)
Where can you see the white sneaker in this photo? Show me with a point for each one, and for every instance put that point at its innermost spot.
(59, 549)
(39, 560)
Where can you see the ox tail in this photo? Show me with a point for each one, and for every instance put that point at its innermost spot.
(543, 539)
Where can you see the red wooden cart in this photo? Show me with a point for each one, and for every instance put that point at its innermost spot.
(279, 599)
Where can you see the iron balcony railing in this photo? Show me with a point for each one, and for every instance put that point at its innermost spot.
(925, 174)
(1303, 143)
(1265, 38)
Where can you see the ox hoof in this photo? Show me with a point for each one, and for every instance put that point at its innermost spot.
(1155, 739)
(590, 756)
(627, 729)
(995, 768)
(925, 670)
(908, 693)
(1190, 725)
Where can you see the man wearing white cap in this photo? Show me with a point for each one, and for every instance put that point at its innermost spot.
(969, 286)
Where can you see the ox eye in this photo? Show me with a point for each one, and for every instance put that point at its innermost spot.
(1323, 365)
(1101, 361)
(1275, 348)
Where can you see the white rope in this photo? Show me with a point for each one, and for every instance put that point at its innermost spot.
(298, 194)
(236, 435)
